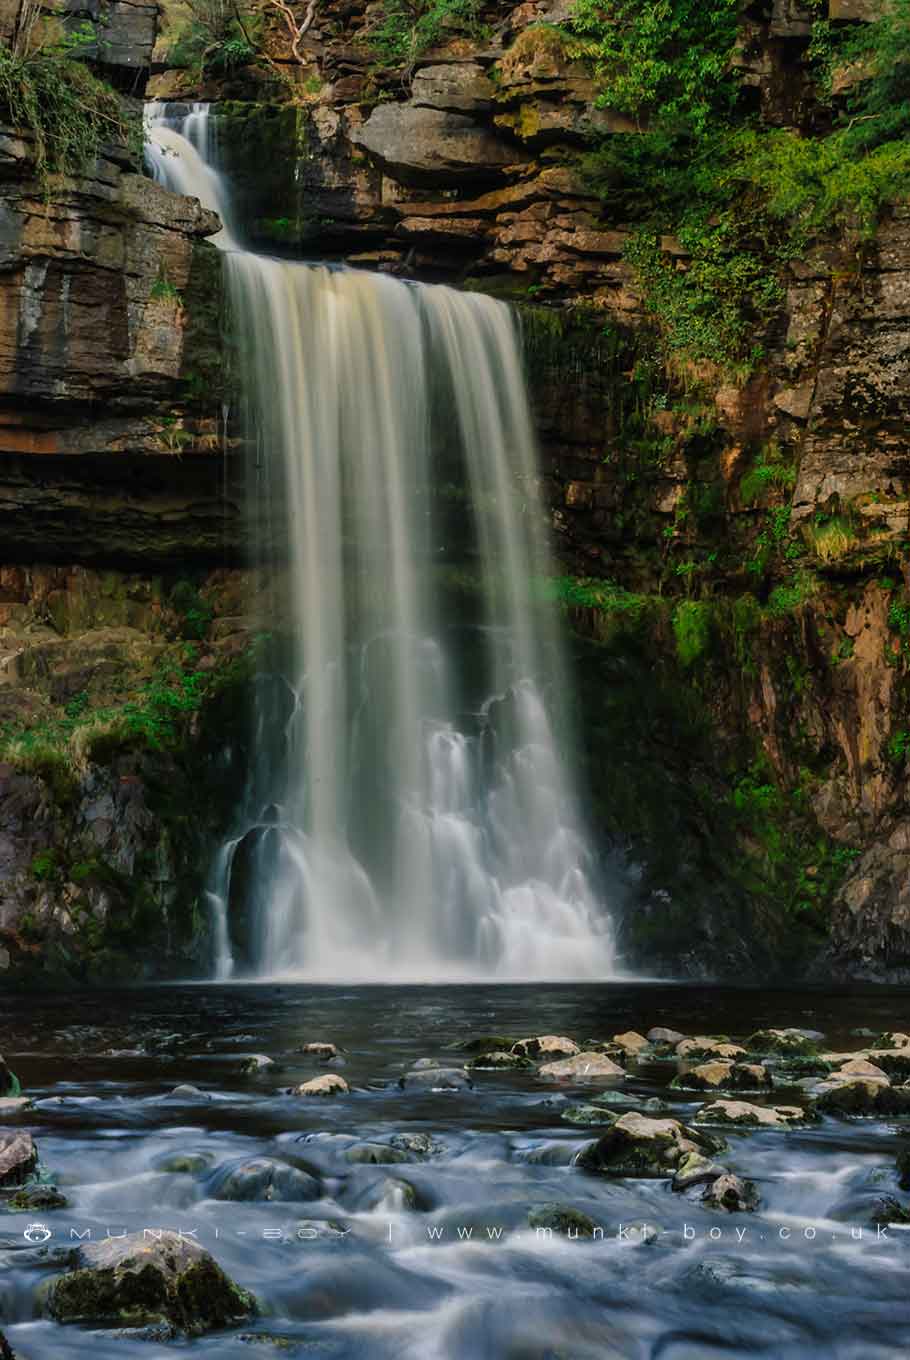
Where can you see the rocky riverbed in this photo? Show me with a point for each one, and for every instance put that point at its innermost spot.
(627, 1170)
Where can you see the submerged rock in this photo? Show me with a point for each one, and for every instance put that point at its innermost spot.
(134, 1282)
(375, 1154)
(393, 1196)
(890, 1210)
(264, 1178)
(582, 1067)
(630, 1042)
(18, 1158)
(731, 1193)
(636, 1146)
(417, 1145)
(6, 1350)
(436, 1079)
(741, 1112)
(328, 1085)
(546, 1046)
(560, 1218)
(187, 1092)
(487, 1043)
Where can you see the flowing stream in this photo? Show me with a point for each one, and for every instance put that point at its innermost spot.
(412, 815)
(395, 1224)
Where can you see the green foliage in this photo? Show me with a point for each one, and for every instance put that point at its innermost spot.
(162, 290)
(216, 39)
(668, 58)
(405, 29)
(45, 865)
(899, 746)
(767, 473)
(791, 595)
(740, 199)
(692, 623)
(68, 110)
(196, 613)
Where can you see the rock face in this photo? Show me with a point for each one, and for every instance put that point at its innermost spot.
(421, 145)
(134, 1282)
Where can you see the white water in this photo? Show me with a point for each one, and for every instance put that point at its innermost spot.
(410, 827)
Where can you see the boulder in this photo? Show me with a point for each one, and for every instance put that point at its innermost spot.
(860, 1095)
(630, 1042)
(264, 1179)
(423, 146)
(719, 1075)
(893, 1039)
(789, 1043)
(695, 1169)
(661, 1037)
(588, 1114)
(486, 1043)
(134, 1282)
(187, 1092)
(323, 1052)
(18, 1158)
(40, 1199)
(546, 1046)
(583, 1067)
(731, 1193)
(701, 1047)
(560, 1218)
(861, 1067)
(328, 1085)
(890, 1210)
(741, 1112)
(436, 1079)
(9, 1082)
(375, 1154)
(638, 1146)
(490, 1062)
(894, 1062)
(256, 1062)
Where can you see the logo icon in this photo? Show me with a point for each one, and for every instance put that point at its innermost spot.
(37, 1232)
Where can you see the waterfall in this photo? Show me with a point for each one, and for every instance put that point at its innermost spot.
(415, 817)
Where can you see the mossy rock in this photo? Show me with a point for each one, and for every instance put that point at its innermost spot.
(560, 1218)
(588, 1114)
(37, 1199)
(789, 1043)
(135, 1282)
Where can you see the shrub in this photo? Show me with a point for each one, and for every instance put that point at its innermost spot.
(692, 620)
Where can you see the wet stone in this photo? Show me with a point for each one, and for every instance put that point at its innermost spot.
(187, 1092)
(787, 1042)
(11, 1106)
(731, 1193)
(329, 1085)
(498, 1060)
(742, 1112)
(264, 1179)
(417, 1145)
(546, 1046)
(256, 1062)
(134, 1282)
(9, 1082)
(321, 1051)
(588, 1114)
(695, 1169)
(37, 1199)
(661, 1037)
(639, 1147)
(375, 1154)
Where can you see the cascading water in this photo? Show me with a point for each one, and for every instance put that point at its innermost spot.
(415, 819)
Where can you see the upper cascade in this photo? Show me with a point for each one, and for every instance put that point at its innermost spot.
(410, 813)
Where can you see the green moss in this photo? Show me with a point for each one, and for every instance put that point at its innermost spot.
(692, 625)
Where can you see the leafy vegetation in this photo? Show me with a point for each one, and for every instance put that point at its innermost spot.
(740, 199)
(692, 629)
(217, 38)
(405, 29)
(51, 93)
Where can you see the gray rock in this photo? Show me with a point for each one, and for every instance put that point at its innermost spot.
(664, 1038)
(375, 1154)
(430, 146)
(187, 1092)
(256, 1062)
(135, 1282)
(417, 1145)
(588, 1114)
(37, 1199)
(456, 88)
